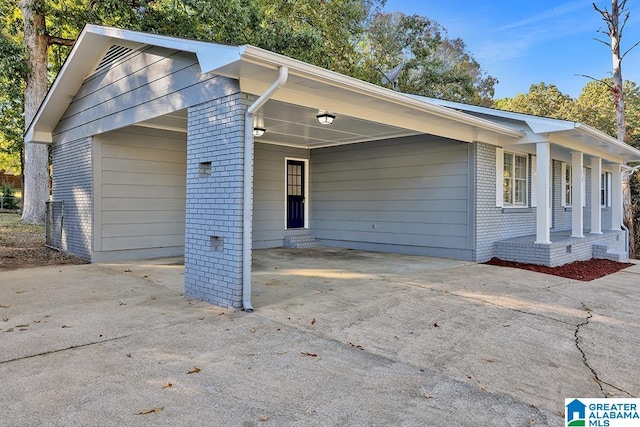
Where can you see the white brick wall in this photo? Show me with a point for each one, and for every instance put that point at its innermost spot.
(213, 235)
(73, 184)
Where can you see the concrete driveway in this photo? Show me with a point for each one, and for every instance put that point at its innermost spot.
(338, 337)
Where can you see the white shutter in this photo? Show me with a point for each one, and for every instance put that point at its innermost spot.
(534, 181)
(584, 187)
(499, 177)
(563, 184)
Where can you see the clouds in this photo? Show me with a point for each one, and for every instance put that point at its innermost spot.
(547, 16)
(520, 37)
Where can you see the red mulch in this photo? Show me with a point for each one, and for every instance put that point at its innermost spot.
(579, 270)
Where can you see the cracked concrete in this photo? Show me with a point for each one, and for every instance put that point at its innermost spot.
(584, 355)
(337, 338)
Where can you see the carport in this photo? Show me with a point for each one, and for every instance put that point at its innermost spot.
(162, 99)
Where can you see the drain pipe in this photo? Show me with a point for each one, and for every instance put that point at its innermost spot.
(247, 207)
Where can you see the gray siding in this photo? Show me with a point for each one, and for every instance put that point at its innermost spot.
(148, 84)
(269, 208)
(408, 195)
(73, 185)
(141, 192)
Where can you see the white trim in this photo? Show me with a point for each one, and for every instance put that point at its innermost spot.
(306, 192)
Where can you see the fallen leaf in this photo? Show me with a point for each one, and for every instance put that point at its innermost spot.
(263, 419)
(532, 423)
(169, 385)
(313, 321)
(66, 326)
(506, 326)
(253, 330)
(194, 371)
(5, 306)
(428, 396)
(150, 411)
(5, 319)
(304, 353)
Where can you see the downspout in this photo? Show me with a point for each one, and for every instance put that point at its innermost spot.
(247, 206)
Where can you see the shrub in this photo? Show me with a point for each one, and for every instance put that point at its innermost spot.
(7, 195)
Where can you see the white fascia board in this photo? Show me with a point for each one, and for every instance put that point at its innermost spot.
(312, 72)
(90, 47)
(627, 151)
(536, 123)
(211, 56)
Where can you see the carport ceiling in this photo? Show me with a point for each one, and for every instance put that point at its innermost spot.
(295, 126)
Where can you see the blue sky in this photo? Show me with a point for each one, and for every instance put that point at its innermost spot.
(524, 42)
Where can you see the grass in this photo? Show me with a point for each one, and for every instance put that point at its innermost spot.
(14, 234)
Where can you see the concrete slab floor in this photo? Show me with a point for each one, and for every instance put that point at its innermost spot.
(338, 337)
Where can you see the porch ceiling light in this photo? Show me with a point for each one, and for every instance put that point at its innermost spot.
(325, 118)
(258, 131)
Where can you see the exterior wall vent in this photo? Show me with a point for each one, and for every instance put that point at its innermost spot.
(113, 55)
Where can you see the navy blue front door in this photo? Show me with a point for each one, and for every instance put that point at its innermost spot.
(295, 194)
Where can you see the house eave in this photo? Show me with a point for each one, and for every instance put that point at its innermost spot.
(250, 65)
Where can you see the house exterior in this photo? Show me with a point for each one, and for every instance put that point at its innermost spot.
(164, 146)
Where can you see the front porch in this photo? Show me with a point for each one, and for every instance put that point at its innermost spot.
(564, 248)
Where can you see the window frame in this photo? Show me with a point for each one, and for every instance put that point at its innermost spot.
(514, 179)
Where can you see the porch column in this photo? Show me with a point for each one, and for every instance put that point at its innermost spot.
(543, 157)
(576, 196)
(616, 197)
(214, 201)
(596, 216)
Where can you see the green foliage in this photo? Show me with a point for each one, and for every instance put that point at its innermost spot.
(7, 192)
(541, 100)
(435, 65)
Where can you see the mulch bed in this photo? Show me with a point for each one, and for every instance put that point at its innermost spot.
(579, 270)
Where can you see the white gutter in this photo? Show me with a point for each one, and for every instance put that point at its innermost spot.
(247, 208)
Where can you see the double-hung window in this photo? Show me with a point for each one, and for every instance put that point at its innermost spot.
(568, 184)
(514, 189)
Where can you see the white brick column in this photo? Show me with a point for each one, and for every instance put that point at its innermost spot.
(577, 195)
(543, 156)
(214, 219)
(596, 214)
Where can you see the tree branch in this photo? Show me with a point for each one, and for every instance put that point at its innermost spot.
(604, 82)
(607, 44)
(60, 41)
(628, 50)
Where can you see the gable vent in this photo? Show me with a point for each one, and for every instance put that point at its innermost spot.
(113, 55)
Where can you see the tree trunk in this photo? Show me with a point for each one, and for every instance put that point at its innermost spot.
(615, 33)
(36, 156)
